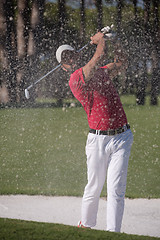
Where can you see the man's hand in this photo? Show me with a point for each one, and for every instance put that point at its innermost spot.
(96, 38)
(108, 32)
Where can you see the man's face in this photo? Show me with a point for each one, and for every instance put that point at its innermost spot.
(70, 61)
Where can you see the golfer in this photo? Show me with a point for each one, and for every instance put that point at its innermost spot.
(110, 138)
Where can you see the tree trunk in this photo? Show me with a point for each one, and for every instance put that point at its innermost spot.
(130, 82)
(99, 7)
(35, 42)
(119, 17)
(37, 23)
(83, 21)
(62, 36)
(135, 9)
(22, 46)
(143, 80)
(11, 50)
(155, 53)
(4, 95)
(62, 19)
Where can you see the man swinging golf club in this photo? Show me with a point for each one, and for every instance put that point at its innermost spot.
(110, 138)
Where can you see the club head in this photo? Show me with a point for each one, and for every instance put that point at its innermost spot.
(26, 93)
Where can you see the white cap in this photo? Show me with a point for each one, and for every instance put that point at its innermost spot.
(61, 49)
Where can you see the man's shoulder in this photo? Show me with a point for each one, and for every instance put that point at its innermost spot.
(76, 83)
(76, 75)
(76, 72)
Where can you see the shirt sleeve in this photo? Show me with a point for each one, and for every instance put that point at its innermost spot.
(77, 85)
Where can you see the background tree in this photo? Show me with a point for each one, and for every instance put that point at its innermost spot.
(35, 49)
(143, 57)
(10, 49)
(31, 31)
(155, 83)
(23, 26)
(83, 22)
(99, 6)
(4, 96)
(132, 63)
(120, 5)
(62, 19)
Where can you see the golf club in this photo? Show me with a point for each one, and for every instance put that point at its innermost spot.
(54, 69)
(107, 31)
(27, 89)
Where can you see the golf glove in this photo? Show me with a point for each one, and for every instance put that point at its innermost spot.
(108, 32)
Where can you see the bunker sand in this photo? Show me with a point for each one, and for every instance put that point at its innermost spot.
(141, 216)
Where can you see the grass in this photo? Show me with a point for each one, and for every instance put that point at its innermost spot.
(43, 151)
(22, 230)
(144, 165)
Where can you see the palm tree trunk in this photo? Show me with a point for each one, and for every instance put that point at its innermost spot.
(83, 22)
(23, 25)
(119, 17)
(155, 53)
(99, 6)
(11, 50)
(62, 19)
(143, 80)
(34, 45)
(4, 95)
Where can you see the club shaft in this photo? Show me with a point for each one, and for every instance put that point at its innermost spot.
(44, 76)
(58, 66)
(83, 47)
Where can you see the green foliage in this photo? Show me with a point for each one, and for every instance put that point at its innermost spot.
(15, 229)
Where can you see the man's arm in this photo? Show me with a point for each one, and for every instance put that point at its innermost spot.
(90, 68)
(120, 63)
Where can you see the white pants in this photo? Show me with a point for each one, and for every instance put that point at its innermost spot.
(106, 156)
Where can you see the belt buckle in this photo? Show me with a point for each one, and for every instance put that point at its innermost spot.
(124, 128)
(115, 131)
(108, 132)
(98, 132)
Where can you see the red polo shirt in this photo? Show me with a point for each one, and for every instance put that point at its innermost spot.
(99, 99)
